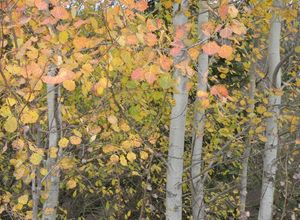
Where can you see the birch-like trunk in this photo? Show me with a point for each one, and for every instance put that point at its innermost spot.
(197, 183)
(271, 146)
(247, 152)
(54, 122)
(177, 129)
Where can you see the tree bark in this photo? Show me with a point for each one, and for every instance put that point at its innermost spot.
(271, 146)
(197, 183)
(247, 152)
(177, 128)
(54, 121)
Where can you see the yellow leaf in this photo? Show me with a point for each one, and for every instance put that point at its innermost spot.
(63, 142)
(5, 111)
(69, 85)
(123, 160)
(67, 163)
(297, 49)
(63, 37)
(131, 156)
(71, 184)
(262, 138)
(29, 116)
(261, 109)
(109, 148)
(143, 155)
(36, 158)
(75, 140)
(11, 124)
(43, 171)
(23, 199)
(53, 152)
(194, 53)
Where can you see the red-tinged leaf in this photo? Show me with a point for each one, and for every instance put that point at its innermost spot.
(150, 39)
(41, 4)
(165, 62)
(177, 47)
(129, 3)
(150, 77)
(208, 28)
(223, 11)
(225, 51)
(63, 75)
(78, 23)
(180, 32)
(232, 11)
(142, 5)
(132, 39)
(138, 74)
(49, 20)
(60, 13)
(219, 90)
(226, 32)
(153, 25)
(211, 48)
(238, 27)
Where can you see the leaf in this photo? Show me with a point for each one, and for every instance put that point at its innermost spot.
(219, 90)
(29, 117)
(63, 142)
(238, 28)
(69, 85)
(112, 119)
(225, 51)
(223, 11)
(71, 184)
(53, 152)
(67, 163)
(208, 28)
(63, 75)
(144, 155)
(109, 148)
(297, 49)
(177, 48)
(36, 158)
(114, 158)
(123, 161)
(194, 53)
(141, 5)
(211, 48)
(226, 32)
(153, 25)
(165, 82)
(232, 11)
(11, 124)
(150, 39)
(131, 156)
(75, 140)
(41, 4)
(60, 13)
(165, 62)
(138, 74)
(131, 39)
(202, 94)
(23, 199)
(63, 37)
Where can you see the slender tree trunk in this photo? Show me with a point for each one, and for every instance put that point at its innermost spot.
(197, 183)
(177, 129)
(54, 120)
(247, 152)
(271, 146)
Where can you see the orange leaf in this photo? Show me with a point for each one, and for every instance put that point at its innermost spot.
(223, 11)
(226, 32)
(225, 51)
(211, 48)
(60, 13)
(63, 75)
(208, 28)
(194, 53)
(138, 74)
(165, 62)
(219, 90)
(153, 25)
(150, 39)
(142, 5)
(238, 27)
(132, 39)
(40, 4)
(232, 11)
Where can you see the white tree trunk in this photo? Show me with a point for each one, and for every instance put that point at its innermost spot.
(197, 183)
(54, 120)
(247, 152)
(271, 146)
(177, 130)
